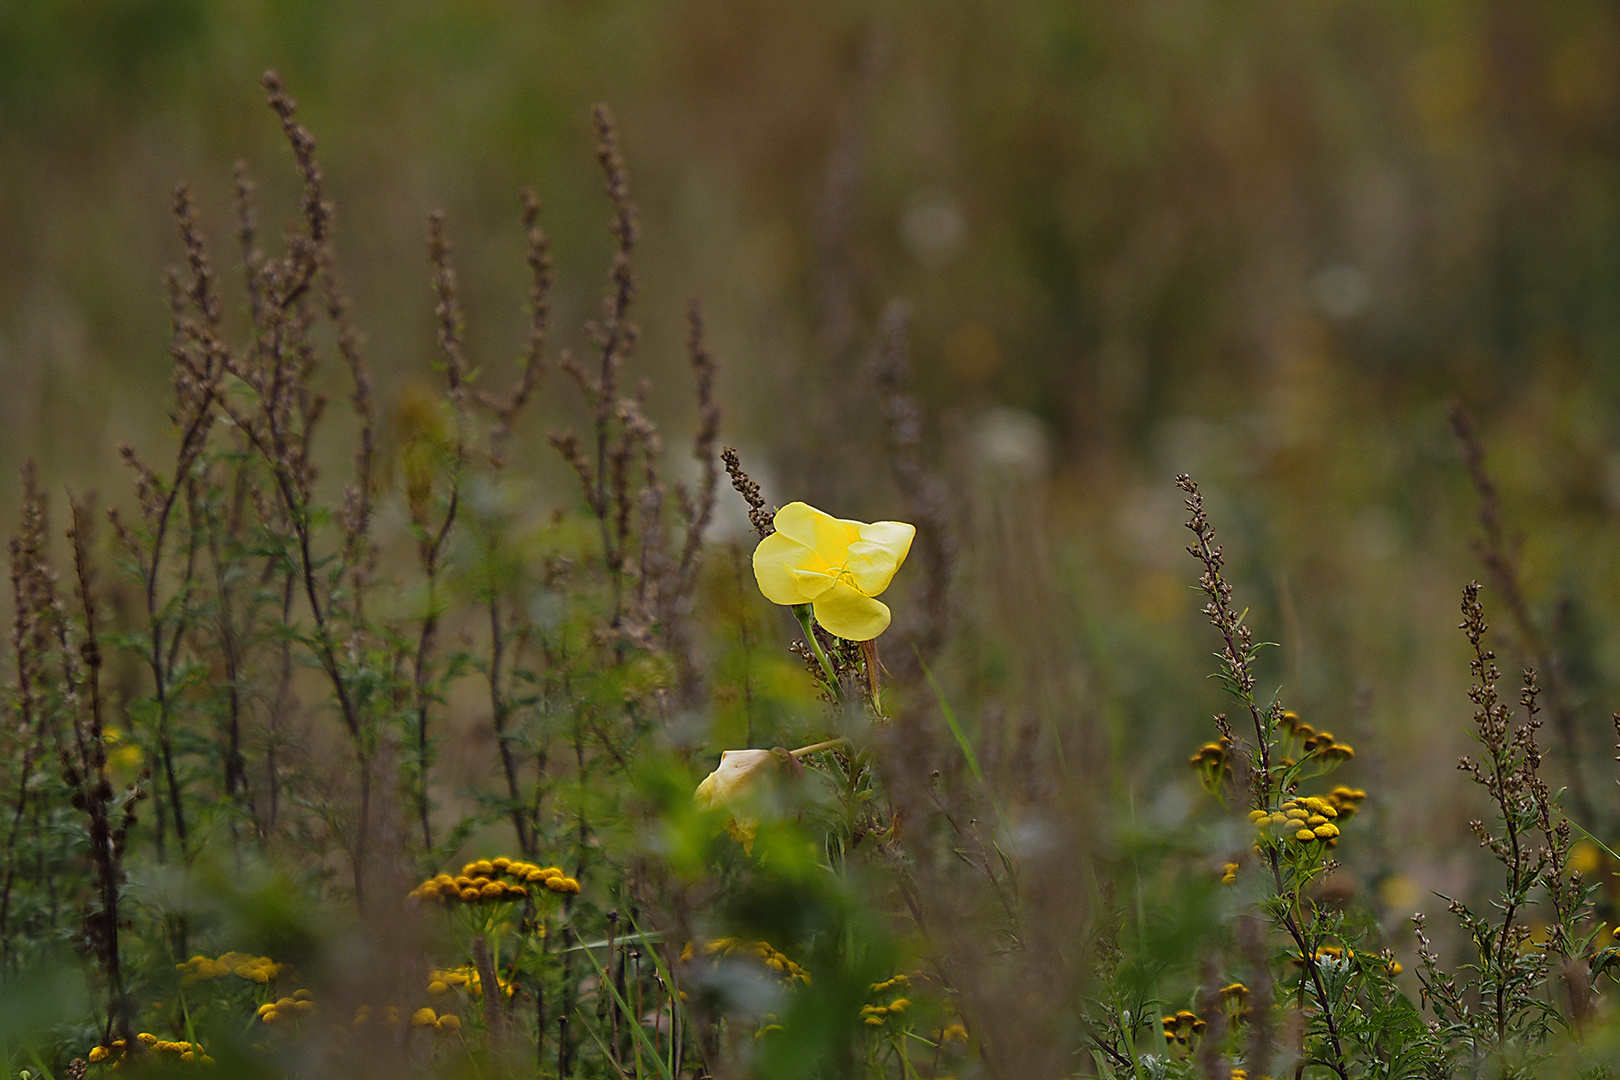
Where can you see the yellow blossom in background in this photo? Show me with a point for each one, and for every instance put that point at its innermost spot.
(259, 969)
(466, 978)
(123, 757)
(763, 952)
(1585, 857)
(479, 882)
(838, 567)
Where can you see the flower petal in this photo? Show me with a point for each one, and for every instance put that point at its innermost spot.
(827, 536)
(777, 561)
(874, 558)
(846, 612)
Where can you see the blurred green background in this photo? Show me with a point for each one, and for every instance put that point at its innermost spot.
(1264, 242)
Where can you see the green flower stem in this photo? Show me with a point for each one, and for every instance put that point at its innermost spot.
(813, 747)
(807, 620)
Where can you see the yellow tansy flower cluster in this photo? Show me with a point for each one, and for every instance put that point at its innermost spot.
(1235, 997)
(1304, 820)
(1213, 764)
(1179, 1027)
(877, 1015)
(760, 950)
(1318, 744)
(480, 882)
(185, 1051)
(259, 969)
(443, 1025)
(465, 978)
(274, 1012)
(1346, 800)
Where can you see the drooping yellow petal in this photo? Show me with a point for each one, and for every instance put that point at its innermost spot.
(846, 612)
(874, 558)
(778, 561)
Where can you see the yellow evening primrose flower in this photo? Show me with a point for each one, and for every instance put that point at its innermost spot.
(838, 567)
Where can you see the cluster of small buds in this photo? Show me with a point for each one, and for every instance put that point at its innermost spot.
(1229, 872)
(274, 1012)
(760, 950)
(877, 1015)
(1305, 820)
(1179, 1027)
(1336, 953)
(1318, 744)
(481, 882)
(464, 978)
(189, 1052)
(259, 969)
(443, 1024)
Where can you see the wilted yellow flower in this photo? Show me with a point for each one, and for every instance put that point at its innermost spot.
(739, 770)
(838, 567)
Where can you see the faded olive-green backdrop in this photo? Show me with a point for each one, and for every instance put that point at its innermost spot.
(1266, 242)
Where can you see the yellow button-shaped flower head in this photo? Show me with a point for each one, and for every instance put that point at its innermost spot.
(839, 567)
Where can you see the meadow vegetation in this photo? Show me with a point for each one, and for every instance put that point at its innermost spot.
(369, 761)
